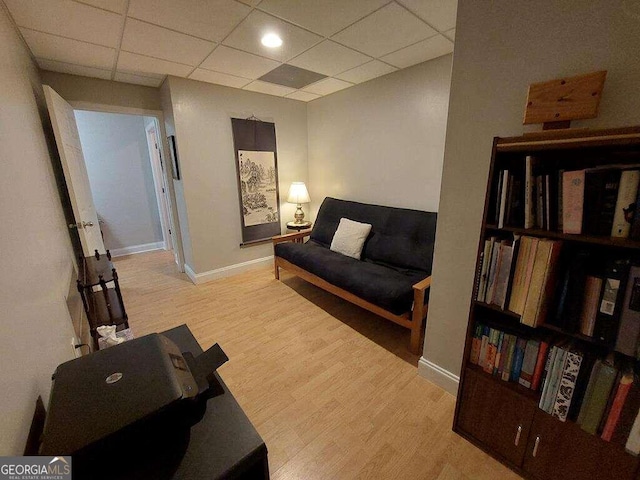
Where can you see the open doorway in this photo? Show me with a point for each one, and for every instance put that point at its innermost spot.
(128, 183)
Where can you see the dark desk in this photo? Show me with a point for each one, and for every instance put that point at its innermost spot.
(224, 444)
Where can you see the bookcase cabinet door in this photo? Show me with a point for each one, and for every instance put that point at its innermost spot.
(565, 451)
(496, 416)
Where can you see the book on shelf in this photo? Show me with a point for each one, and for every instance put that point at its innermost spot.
(475, 344)
(496, 365)
(600, 196)
(572, 201)
(622, 391)
(571, 293)
(484, 343)
(510, 351)
(630, 410)
(540, 365)
(629, 329)
(591, 297)
(610, 303)
(504, 190)
(529, 363)
(633, 441)
(625, 203)
(492, 272)
(542, 282)
(518, 357)
(567, 385)
(522, 274)
(503, 273)
(529, 211)
(634, 233)
(491, 351)
(552, 380)
(484, 272)
(597, 396)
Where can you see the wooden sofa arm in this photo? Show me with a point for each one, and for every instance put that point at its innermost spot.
(422, 285)
(289, 237)
(419, 313)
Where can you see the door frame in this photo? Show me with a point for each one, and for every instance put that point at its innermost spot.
(162, 197)
(166, 171)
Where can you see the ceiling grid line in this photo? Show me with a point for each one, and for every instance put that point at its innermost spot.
(124, 25)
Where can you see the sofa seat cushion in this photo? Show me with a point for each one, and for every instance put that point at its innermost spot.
(383, 286)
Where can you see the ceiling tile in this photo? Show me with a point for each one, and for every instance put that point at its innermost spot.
(235, 62)
(134, 63)
(154, 41)
(420, 52)
(440, 14)
(248, 34)
(291, 76)
(62, 67)
(139, 79)
(385, 31)
(450, 34)
(327, 86)
(326, 17)
(60, 49)
(218, 78)
(269, 88)
(303, 96)
(366, 72)
(68, 19)
(210, 19)
(329, 58)
(117, 6)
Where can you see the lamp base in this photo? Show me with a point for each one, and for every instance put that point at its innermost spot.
(299, 216)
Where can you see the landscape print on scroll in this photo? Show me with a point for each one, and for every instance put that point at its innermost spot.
(258, 187)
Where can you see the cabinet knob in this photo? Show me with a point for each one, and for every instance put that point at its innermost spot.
(535, 446)
(518, 432)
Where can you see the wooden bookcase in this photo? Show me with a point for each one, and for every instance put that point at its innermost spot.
(503, 418)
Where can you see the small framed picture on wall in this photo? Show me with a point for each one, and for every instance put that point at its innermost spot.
(174, 156)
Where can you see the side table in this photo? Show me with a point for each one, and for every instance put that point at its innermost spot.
(298, 227)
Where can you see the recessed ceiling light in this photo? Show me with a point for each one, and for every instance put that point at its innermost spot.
(271, 40)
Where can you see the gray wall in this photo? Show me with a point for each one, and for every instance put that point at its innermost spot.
(74, 88)
(382, 141)
(35, 249)
(501, 48)
(180, 207)
(117, 157)
(201, 115)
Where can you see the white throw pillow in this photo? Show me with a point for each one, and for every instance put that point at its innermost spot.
(349, 238)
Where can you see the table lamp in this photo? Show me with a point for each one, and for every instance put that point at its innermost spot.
(298, 194)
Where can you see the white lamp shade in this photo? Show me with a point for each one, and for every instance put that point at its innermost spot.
(298, 193)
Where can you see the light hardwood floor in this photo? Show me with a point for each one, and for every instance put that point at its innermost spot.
(331, 388)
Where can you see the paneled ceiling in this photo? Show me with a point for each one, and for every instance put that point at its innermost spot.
(218, 41)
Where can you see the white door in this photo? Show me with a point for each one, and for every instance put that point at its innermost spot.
(162, 196)
(65, 131)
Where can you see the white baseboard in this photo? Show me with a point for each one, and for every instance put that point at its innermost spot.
(145, 247)
(438, 375)
(228, 271)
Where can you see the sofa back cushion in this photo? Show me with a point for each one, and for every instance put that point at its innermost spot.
(400, 237)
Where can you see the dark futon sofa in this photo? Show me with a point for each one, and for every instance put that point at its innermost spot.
(394, 273)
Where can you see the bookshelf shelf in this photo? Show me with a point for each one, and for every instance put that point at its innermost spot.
(587, 239)
(561, 287)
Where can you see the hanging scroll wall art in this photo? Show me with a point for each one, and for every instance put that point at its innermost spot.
(257, 170)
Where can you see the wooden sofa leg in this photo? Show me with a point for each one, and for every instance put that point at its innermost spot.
(417, 322)
(276, 270)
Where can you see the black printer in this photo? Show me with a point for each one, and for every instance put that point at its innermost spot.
(129, 407)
